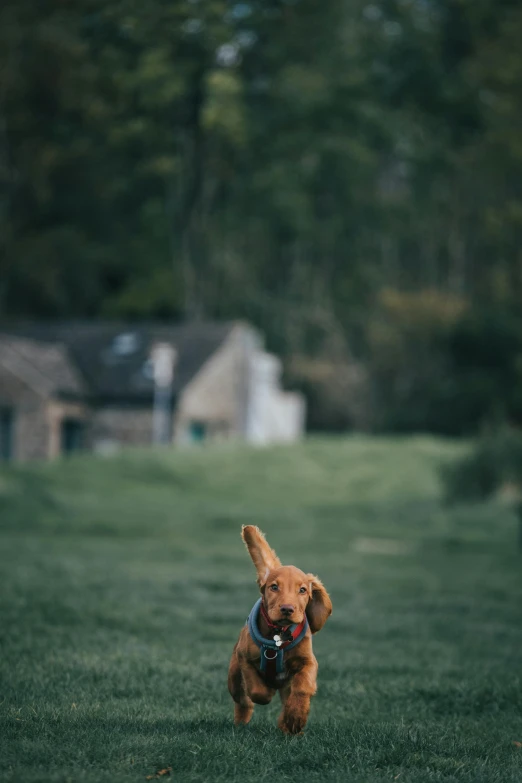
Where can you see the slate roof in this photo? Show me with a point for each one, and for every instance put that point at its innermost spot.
(111, 358)
(45, 368)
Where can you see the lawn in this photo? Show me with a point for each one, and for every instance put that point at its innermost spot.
(125, 584)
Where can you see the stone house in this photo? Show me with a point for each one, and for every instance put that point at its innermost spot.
(71, 386)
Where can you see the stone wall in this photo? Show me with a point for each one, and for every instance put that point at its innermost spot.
(111, 426)
(30, 424)
(31, 433)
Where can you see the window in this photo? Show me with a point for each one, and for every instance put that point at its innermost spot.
(73, 435)
(6, 434)
(125, 344)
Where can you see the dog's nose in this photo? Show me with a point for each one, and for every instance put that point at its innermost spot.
(287, 609)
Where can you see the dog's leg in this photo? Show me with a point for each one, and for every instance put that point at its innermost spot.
(256, 688)
(243, 707)
(284, 693)
(296, 700)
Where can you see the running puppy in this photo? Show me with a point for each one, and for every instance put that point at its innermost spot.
(274, 649)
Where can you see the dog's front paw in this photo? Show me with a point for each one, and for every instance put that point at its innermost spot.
(292, 723)
(295, 714)
(242, 714)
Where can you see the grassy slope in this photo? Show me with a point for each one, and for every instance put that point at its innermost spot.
(125, 584)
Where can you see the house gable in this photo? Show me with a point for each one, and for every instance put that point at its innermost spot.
(217, 397)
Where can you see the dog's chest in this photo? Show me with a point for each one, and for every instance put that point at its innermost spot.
(292, 664)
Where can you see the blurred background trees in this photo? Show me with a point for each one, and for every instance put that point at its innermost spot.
(345, 175)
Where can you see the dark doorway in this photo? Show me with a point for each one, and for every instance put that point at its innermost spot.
(73, 436)
(6, 434)
(198, 431)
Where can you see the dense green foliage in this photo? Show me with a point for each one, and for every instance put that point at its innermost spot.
(439, 365)
(491, 466)
(126, 583)
(281, 160)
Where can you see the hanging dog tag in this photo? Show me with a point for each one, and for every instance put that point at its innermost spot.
(278, 640)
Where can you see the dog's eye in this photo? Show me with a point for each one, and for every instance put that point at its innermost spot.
(275, 588)
(302, 590)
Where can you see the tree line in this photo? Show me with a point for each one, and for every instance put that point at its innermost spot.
(345, 175)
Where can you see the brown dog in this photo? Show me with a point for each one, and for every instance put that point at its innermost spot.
(274, 650)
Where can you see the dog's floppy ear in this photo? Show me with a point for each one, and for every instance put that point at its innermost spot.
(319, 606)
(264, 558)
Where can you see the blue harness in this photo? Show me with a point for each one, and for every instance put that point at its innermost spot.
(270, 650)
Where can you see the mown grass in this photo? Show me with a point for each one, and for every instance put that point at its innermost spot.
(125, 584)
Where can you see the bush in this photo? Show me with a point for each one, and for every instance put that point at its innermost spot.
(439, 365)
(493, 464)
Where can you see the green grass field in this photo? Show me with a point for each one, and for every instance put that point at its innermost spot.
(125, 584)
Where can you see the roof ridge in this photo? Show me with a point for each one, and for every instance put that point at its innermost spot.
(34, 371)
(85, 353)
(11, 345)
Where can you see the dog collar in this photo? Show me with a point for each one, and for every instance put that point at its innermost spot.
(273, 649)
